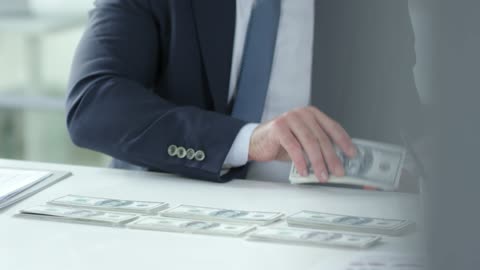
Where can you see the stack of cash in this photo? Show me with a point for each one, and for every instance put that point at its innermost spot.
(388, 262)
(314, 237)
(71, 214)
(376, 165)
(316, 220)
(105, 204)
(222, 215)
(190, 226)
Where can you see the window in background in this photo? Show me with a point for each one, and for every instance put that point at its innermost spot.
(36, 49)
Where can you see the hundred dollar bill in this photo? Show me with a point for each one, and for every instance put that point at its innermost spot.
(222, 215)
(71, 214)
(326, 221)
(110, 204)
(314, 237)
(190, 226)
(388, 262)
(376, 164)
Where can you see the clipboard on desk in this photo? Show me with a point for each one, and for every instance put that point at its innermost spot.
(42, 183)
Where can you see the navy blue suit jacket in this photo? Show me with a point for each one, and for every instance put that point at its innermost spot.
(153, 73)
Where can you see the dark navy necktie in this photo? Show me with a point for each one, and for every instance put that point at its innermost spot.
(256, 68)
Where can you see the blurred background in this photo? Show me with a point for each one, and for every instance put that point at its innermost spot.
(37, 42)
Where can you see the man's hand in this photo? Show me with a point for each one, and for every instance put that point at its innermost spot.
(305, 130)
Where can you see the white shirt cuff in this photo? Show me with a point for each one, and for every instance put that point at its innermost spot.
(238, 154)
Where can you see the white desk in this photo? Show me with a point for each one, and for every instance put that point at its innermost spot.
(27, 244)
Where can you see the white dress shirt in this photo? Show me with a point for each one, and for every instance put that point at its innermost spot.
(290, 80)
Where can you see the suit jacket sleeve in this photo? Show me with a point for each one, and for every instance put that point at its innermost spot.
(112, 109)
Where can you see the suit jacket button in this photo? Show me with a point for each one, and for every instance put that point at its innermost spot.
(200, 156)
(190, 154)
(181, 152)
(172, 150)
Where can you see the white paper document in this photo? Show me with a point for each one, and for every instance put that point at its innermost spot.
(15, 181)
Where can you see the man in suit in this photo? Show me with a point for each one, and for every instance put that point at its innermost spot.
(222, 89)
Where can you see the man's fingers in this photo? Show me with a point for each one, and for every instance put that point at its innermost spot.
(334, 164)
(311, 132)
(336, 132)
(310, 145)
(292, 146)
(329, 154)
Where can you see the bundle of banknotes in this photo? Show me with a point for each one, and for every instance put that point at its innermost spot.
(387, 261)
(314, 237)
(326, 221)
(191, 226)
(318, 228)
(76, 215)
(376, 165)
(223, 215)
(104, 204)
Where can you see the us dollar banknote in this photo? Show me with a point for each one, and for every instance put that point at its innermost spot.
(376, 165)
(314, 237)
(223, 215)
(72, 214)
(106, 204)
(392, 261)
(190, 226)
(327, 221)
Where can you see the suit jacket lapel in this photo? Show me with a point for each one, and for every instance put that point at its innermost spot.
(216, 30)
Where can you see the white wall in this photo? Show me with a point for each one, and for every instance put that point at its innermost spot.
(60, 6)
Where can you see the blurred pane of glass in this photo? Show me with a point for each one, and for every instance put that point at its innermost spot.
(41, 135)
(36, 52)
